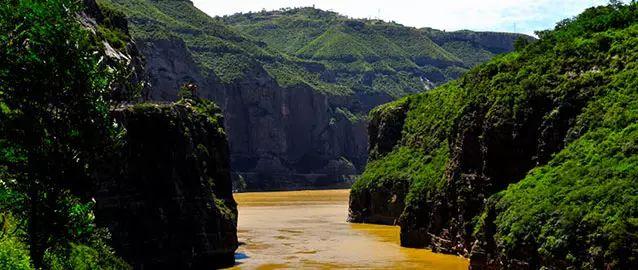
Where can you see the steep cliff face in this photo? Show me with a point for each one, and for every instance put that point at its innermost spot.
(170, 65)
(286, 135)
(281, 137)
(287, 128)
(528, 133)
(169, 203)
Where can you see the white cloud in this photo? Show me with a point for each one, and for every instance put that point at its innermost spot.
(524, 16)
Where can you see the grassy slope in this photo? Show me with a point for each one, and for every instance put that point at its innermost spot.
(215, 47)
(398, 54)
(582, 207)
(421, 154)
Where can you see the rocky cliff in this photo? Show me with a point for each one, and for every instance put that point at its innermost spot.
(384, 201)
(512, 164)
(170, 202)
(281, 137)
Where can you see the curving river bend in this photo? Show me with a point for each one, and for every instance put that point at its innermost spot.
(308, 229)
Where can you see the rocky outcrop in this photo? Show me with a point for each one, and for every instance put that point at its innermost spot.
(489, 153)
(170, 65)
(169, 204)
(381, 204)
(385, 128)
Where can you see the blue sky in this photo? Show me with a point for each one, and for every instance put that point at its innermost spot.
(523, 16)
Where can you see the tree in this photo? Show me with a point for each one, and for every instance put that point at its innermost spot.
(520, 43)
(188, 91)
(54, 94)
(615, 3)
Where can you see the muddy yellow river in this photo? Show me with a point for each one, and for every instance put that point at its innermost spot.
(308, 229)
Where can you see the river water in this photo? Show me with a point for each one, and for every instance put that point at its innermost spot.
(308, 229)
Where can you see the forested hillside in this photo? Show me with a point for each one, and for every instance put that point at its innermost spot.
(528, 161)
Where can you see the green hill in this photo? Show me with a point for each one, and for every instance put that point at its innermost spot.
(526, 162)
(372, 55)
(218, 50)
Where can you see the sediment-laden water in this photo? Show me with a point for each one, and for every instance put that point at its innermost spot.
(308, 229)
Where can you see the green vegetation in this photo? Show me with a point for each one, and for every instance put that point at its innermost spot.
(347, 114)
(55, 128)
(396, 57)
(14, 253)
(405, 164)
(422, 153)
(589, 187)
(205, 108)
(326, 35)
(580, 209)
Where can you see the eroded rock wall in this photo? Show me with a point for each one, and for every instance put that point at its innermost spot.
(280, 137)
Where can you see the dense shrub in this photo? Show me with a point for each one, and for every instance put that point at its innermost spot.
(14, 254)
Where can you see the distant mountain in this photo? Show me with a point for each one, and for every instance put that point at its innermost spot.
(294, 99)
(373, 56)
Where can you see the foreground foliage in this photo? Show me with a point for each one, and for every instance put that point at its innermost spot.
(54, 101)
